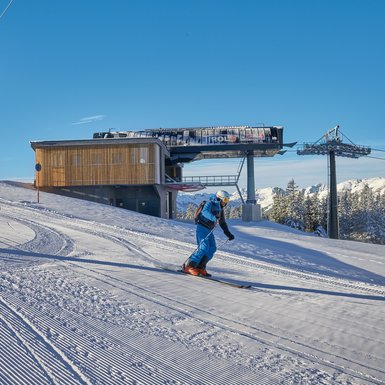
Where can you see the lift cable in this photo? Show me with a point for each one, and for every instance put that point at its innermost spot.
(376, 149)
(375, 157)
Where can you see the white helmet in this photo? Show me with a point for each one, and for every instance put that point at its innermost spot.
(223, 195)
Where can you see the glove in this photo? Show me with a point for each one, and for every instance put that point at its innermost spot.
(230, 236)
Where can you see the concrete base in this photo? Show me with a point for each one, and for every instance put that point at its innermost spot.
(251, 212)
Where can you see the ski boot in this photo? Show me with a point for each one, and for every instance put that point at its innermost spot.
(190, 267)
(202, 266)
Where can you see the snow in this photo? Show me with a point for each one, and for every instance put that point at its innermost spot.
(265, 195)
(84, 301)
(357, 185)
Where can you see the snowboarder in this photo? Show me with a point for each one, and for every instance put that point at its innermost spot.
(211, 213)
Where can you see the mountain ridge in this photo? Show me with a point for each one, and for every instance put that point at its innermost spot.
(264, 196)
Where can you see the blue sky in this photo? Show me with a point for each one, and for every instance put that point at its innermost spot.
(71, 68)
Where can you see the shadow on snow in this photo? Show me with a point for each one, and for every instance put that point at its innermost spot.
(21, 256)
(304, 259)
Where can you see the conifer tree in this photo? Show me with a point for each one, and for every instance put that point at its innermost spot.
(278, 212)
(295, 206)
(236, 212)
(190, 212)
(312, 214)
(345, 214)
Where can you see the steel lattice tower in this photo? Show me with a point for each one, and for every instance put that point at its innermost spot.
(331, 144)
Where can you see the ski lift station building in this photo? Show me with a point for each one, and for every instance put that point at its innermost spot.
(142, 170)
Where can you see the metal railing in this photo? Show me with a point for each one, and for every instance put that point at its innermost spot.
(218, 180)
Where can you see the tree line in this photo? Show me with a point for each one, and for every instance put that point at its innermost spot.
(361, 213)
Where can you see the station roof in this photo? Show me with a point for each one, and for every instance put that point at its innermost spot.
(98, 142)
(197, 143)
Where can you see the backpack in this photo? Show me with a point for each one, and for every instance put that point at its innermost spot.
(198, 211)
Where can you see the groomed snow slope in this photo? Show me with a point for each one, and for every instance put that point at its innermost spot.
(84, 300)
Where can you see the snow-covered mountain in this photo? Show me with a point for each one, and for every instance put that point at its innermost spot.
(356, 185)
(265, 195)
(85, 299)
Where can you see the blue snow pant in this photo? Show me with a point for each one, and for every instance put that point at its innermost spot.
(206, 245)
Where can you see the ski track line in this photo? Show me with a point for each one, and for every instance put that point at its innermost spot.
(125, 286)
(249, 262)
(173, 243)
(216, 369)
(85, 227)
(45, 354)
(160, 242)
(246, 260)
(133, 356)
(239, 261)
(233, 326)
(13, 372)
(133, 247)
(130, 245)
(230, 259)
(46, 240)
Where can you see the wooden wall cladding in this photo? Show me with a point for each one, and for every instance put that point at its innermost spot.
(127, 164)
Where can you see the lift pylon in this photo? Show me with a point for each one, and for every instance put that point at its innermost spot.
(332, 145)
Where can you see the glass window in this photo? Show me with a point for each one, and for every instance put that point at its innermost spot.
(143, 156)
(267, 135)
(180, 138)
(204, 137)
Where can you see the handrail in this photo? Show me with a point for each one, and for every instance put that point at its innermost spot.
(216, 180)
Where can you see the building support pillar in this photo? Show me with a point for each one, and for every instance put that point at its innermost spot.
(251, 211)
(250, 178)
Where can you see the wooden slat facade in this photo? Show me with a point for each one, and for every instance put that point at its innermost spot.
(88, 164)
